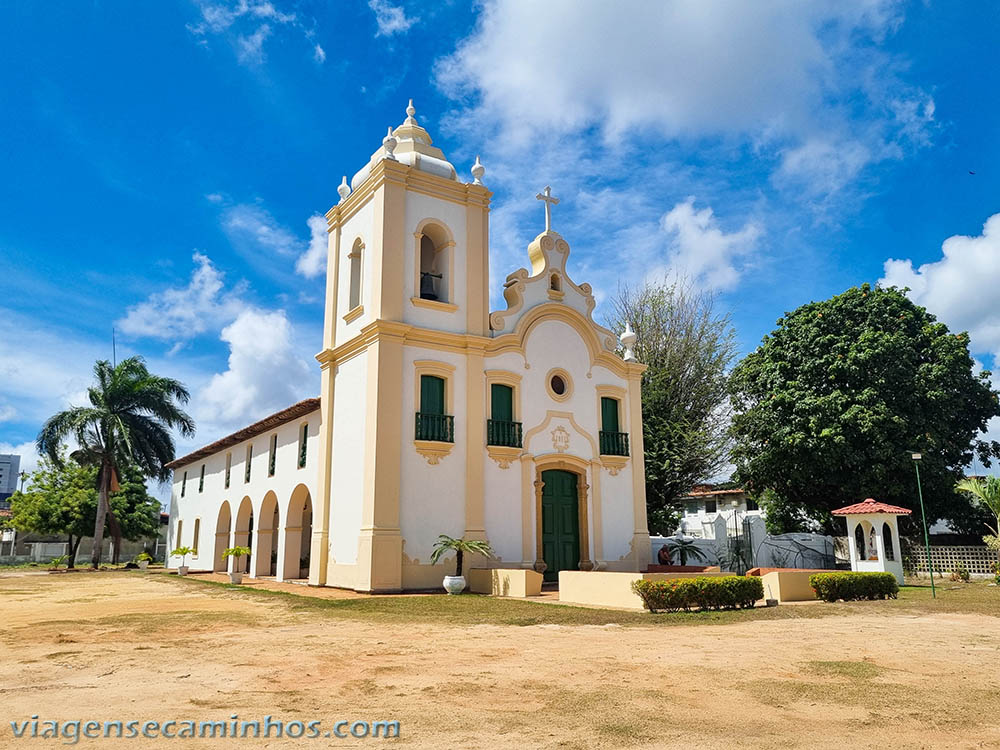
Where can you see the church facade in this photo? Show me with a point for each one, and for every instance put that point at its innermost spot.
(522, 427)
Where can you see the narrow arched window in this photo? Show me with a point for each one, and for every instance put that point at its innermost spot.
(859, 542)
(354, 295)
(554, 283)
(890, 553)
(434, 259)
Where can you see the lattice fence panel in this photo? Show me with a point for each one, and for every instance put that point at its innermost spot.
(946, 559)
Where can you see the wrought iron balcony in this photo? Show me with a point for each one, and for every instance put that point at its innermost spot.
(440, 427)
(499, 432)
(613, 443)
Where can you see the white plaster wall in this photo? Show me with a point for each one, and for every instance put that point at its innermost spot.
(348, 462)
(361, 224)
(452, 215)
(207, 503)
(503, 511)
(432, 497)
(617, 516)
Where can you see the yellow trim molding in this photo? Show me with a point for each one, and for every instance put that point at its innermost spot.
(567, 382)
(433, 450)
(503, 455)
(354, 314)
(433, 304)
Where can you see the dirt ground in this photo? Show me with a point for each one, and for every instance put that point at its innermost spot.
(119, 646)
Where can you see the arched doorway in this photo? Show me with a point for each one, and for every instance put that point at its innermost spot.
(560, 523)
(243, 534)
(298, 534)
(222, 530)
(562, 539)
(266, 552)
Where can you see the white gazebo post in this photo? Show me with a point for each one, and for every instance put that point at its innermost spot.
(872, 516)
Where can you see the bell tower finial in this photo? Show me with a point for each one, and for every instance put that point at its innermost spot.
(410, 111)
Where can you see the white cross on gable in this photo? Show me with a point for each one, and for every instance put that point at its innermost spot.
(550, 201)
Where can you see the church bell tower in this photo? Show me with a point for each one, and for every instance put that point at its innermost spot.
(408, 249)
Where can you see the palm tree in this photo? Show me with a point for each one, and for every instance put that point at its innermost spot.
(461, 547)
(686, 548)
(988, 494)
(128, 422)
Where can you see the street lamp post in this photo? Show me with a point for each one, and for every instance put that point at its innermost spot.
(923, 514)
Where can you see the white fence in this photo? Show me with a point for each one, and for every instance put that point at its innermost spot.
(977, 560)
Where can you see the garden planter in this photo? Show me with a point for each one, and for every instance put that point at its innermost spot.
(143, 564)
(182, 570)
(454, 584)
(236, 577)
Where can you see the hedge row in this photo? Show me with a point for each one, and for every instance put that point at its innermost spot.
(704, 592)
(831, 587)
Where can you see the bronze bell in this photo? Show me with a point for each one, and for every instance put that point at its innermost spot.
(427, 285)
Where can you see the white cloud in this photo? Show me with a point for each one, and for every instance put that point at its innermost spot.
(7, 413)
(261, 237)
(319, 54)
(250, 49)
(391, 19)
(787, 78)
(960, 288)
(181, 313)
(700, 250)
(248, 221)
(313, 261)
(265, 373)
(248, 24)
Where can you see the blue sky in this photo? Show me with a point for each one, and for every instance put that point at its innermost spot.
(163, 165)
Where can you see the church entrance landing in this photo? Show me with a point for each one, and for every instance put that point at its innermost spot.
(560, 523)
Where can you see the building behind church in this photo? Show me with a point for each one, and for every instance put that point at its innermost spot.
(522, 427)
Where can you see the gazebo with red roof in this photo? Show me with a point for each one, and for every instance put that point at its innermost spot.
(873, 536)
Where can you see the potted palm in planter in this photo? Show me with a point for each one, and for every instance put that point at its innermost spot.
(685, 547)
(142, 560)
(456, 584)
(182, 553)
(236, 574)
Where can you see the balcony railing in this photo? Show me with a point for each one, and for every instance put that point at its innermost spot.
(440, 427)
(614, 443)
(499, 432)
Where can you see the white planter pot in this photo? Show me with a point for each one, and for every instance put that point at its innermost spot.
(143, 564)
(236, 577)
(182, 570)
(454, 584)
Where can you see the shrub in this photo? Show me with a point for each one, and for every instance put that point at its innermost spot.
(831, 587)
(703, 592)
(960, 573)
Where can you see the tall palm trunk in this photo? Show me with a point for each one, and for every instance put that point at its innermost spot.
(102, 510)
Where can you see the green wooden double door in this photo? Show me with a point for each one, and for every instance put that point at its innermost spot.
(560, 523)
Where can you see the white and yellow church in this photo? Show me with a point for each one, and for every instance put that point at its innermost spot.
(522, 427)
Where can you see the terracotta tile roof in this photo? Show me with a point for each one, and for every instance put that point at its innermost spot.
(871, 506)
(701, 492)
(267, 423)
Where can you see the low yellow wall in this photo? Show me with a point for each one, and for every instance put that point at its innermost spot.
(608, 589)
(516, 582)
(788, 585)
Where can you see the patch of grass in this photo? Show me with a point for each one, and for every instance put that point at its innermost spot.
(852, 670)
(472, 609)
(475, 609)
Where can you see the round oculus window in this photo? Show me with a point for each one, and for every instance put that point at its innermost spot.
(558, 385)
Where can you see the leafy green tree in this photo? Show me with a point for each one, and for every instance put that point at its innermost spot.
(829, 406)
(688, 347)
(60, 499)
(128, 422)
(137, 512)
